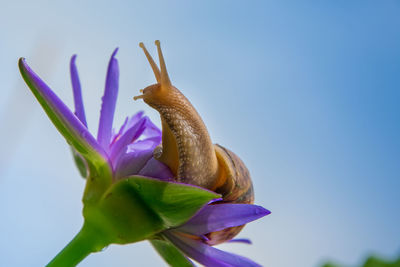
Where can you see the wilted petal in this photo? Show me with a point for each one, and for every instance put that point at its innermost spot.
(220, 216)
(206, 254)
(66, 122)
(109, 100)
(76, 88)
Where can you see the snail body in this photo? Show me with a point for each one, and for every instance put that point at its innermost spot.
(187, 148)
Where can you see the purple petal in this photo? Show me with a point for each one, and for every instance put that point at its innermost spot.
(76, 88)
(66, 122)
(147, 144)
(240, 240)
(115, 136)
(131, 121)
(156, 169)
(109, 100)
(149, 139)
(206, 254)
(131, 163)
(120, 146)
(128, 123)
(217, 217)
(151, 131)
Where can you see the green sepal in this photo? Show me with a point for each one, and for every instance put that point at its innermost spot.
(99, 179)
(171, 254)
(80, 163)
(137, 208)
(174, 203)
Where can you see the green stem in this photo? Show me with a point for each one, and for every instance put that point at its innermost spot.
(88, 240)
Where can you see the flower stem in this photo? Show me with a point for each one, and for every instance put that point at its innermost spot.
(84, 243)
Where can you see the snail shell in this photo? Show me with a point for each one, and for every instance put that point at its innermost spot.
(188, 151)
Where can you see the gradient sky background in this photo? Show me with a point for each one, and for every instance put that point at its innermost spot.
(306, 93)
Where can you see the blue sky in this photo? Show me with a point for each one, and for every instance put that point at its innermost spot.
(306, 93)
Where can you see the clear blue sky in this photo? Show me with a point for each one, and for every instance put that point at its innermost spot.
(306, 93)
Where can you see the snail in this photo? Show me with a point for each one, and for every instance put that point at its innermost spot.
(187, 148)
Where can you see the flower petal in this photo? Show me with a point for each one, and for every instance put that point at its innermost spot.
(149, 139)
(220, 216)
(152, 132)
(76, 88)
(241, 240)
(131, 163)
(66, 122)
(108, 105)
(157, 169)
(128, 123)
(147, 144)
(120, 146)
(131, 121)
(206, 254)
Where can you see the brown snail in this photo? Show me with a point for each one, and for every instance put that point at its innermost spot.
(187, 148)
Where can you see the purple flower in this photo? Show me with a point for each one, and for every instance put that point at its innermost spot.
(114, 164)
(128, 151)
